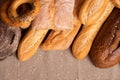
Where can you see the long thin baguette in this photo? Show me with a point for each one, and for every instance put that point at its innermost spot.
(62, 39)
(84, 40)
(39, 28)
(30, 43)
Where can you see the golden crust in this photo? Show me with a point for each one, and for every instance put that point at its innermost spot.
(116, 3)
(84, 40)
(91, 11)
(30, 43)
(62, 39)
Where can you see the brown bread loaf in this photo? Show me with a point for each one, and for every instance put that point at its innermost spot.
(105, 51)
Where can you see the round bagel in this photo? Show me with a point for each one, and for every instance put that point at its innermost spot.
(4, 16)
(28, 16)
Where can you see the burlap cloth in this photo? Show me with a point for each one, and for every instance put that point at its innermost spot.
(54, 65)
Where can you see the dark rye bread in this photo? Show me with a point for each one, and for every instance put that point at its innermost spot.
(9, 40)
(105, 51)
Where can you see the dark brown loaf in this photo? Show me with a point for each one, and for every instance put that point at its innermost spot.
(105, 51)
(9, 40)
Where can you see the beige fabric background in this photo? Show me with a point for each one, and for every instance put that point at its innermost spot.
(54, 65)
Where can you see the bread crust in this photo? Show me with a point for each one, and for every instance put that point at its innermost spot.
(62, 39)
(116, 3)
(84, 40)
(105, 51)
(35, 35)
(30, 43)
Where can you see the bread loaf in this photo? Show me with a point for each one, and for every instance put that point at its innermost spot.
(84, 40)
(105, 51)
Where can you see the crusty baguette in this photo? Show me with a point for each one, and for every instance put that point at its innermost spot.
(84, 40)
(92, 10)
(39, 28)
(30, 43)
(62, 39)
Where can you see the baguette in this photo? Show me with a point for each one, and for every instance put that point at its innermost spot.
(35, 35)
(30, 43)
(84, 40)
(62, 39)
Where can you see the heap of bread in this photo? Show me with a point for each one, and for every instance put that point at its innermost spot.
(88, 26)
